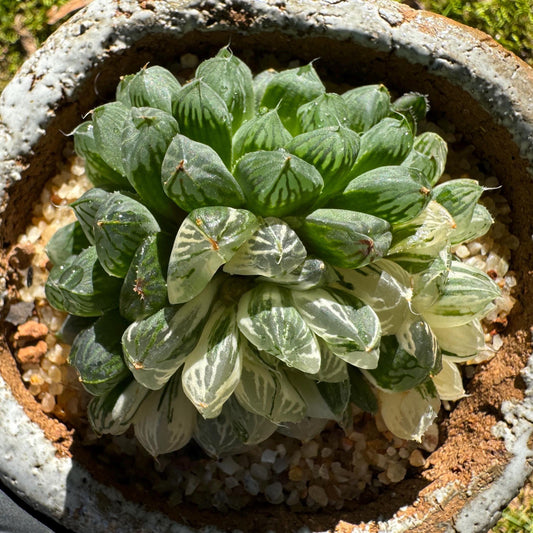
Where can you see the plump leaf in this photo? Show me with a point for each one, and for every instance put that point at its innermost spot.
(277, 183)
(361, 393)
(448, 382)
(429, 284)
(350, 329)
(332, 151)
(460, 343)
(468, 294)
(144, 142)
(81, 286)
(409, 414)
(213, 369)
(97, 355)
(260, 82)
(267, 318)
(265, 131)
(71, 326)
(288, 90)
(479, 224)
(65, 242)
(194, 175)
(232, 80)
(97, 170)
(166, 420)
(344, 238)
(414, 104)
(86, 207)
(428, 155)
(155, 347)
(121, 224)
(305, 430)
(396, 194)
(150, 87)
(386, 143)
(232, 431)
(332, 368)
(273, 250)
(144, 290)
(203, 116)
(208, 238)
(367, 106)
(113, 412)
(328, 109)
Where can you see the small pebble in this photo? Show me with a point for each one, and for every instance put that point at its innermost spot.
(416, 458)
(259, 472)
(274, 493)
(318, 494)
(268, 456)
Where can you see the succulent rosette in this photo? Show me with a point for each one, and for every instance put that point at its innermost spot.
(258, 253)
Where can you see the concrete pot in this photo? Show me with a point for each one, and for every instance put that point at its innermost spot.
(471, 81)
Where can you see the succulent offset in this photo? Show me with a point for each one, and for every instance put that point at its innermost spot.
(258, 253)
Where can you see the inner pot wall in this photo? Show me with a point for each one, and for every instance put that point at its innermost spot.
(350, 52)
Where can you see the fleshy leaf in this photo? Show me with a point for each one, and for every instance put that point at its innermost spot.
(166, 420)
(269, 321)
(66, 241)
(328, 109)
(350, 328)
(344, 238)
(144, 142)
(361, 393)
(479, 224)
(81, 286)
(461, 343)
(86, 207)
(144, 290)
(305, 430)
(277, 183)
(414, 104)
(194, 175)
(273, 250)
(428, 155)
(213, 369)
(97, 355)
(207, 239)
(288, 90)
(260, 82)
(448, 382)
(121, 224)
(367, 106)
(429, 284)
(332, 368)
(203, 116)
(232, 80)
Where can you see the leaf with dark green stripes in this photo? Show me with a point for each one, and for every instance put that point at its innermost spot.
(328, 109)
(66, 241)
(478, 226)
(361, 393)
(86, 208)
(260, 82)
(367, 105)
(194, 175)
(412, 103)
(428, 155)
(208, 238)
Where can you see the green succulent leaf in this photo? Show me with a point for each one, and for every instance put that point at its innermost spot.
(428, 155)
(361, 393)
(166, 420)
(267, 318)
(367, 106)
(232, 80)
(277, 183)
(208, 238)
(194, 175)
(232, 431)
(460, 343)
(344, 238)
(413, 104)
(260, 82)
(273, 250)
(267, 391)
(468, 294)
(332, 151)
(144, 142)
(394, 193)
(109, 121)
(203, 116)
(429, 284)
(332, 368)
(144, 290)
(72, 325)
(479, 224)
(288, 90)
(265, 131)
(328, 109)
(121, 224)
(155, 347)
(97, 170)
(113, 412)
(81, 287)
(150, 87)
(387, 143)
(66, 241)
(86, 208)
(213, 369)
(305, 430)
(350, 329)
(97, 355)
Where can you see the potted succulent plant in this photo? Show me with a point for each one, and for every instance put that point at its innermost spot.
(259, 253)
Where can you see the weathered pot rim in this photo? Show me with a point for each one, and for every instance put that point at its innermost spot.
(501, 83)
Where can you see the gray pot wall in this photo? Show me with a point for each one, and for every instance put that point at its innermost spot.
(484, 90)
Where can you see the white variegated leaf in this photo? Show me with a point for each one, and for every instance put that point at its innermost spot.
(269, 321)
(448, 381)
(309, 274)
(273, 250)
(305, 430)
(213, 369)
(166, 419)
(416, 338)
(332, 368)
(460, 343)
(343, 322)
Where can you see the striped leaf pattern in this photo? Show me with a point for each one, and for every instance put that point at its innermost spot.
(428, 155)
(86, 208)
(367, 106)
(328, 109)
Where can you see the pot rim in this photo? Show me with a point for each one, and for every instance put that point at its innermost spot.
(501, 83)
